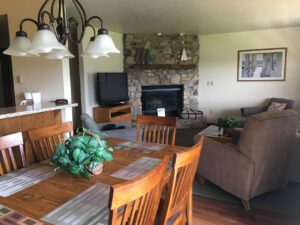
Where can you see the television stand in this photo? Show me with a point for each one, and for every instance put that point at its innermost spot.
(111, 114)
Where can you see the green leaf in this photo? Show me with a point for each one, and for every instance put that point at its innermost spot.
(93, 143)
(87, 160)
(77, 144)
(97, 159)
(107, 156)
(91, 149)
(78, 155)
(110, 149)
(93, 165)
(99, 153)
(60, 149)
(84, 173)
(73, 169)
(63, 160)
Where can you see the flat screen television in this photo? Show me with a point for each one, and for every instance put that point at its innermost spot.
(112, 88)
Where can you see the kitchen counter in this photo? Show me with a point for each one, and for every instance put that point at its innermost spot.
(15, 111)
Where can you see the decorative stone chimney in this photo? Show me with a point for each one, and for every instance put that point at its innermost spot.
(156, 60)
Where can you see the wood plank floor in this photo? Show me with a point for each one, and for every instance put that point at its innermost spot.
(212, 212)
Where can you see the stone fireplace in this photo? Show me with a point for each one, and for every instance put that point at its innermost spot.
(162, 67)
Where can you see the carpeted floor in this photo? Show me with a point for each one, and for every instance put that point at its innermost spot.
(284, 201)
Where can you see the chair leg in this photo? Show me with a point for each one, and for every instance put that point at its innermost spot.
(189, 208)
(246, 204)
(200, 179)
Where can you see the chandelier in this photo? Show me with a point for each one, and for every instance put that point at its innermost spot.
(54, 29)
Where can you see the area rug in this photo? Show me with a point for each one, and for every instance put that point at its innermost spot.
(284, 201)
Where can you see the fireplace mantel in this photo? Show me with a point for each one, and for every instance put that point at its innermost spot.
(161, 66)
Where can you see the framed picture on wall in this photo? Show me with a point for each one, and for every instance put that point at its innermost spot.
(262, 64)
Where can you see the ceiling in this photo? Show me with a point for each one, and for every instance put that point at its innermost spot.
(193, 16)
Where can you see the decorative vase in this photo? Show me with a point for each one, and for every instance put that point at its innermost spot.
(98, 169)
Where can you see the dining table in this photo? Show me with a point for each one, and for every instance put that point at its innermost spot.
(44, 197)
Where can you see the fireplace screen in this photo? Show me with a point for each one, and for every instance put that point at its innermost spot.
(169, 97)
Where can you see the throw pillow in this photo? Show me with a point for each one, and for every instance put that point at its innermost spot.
(276, 106)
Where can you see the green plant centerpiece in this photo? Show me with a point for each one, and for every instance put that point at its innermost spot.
(83, 153)
(227, 122)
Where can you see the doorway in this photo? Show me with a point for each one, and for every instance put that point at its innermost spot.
(7, 93)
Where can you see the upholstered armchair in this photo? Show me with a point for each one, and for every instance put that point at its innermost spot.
(249, 111)
(257, 163)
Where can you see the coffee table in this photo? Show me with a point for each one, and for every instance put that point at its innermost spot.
(213, 132)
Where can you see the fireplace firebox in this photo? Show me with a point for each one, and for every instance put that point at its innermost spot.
(169, 97)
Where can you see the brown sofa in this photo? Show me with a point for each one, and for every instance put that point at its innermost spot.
(257, 163)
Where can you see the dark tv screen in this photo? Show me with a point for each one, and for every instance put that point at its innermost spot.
(112, 88)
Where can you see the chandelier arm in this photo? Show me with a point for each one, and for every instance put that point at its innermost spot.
(82, 15)
(52, 19)
(64, 12)
(95, 17)
(41, 11)
(27, 20)
(52, 7)
(94, 30)
(77, 3)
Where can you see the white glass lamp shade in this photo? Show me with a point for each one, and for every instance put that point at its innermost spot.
(92, 52)
(104, 43)
(20, 47)
(44, 41)
(60, 54)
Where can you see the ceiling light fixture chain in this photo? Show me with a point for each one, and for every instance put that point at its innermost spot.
(63, 29)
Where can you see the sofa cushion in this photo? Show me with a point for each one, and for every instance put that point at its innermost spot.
(276, 106)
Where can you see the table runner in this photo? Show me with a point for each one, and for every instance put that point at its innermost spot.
(137, 168)
(10, 217)
(87, 208)
(14, 182)
(140, 147)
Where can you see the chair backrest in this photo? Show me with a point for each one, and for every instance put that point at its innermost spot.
(156, 129)
(44, 140)
(266, 140)
(180, 185)
(7, 143)
(136, 202)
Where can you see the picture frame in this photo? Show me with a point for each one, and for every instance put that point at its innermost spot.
(267, 64)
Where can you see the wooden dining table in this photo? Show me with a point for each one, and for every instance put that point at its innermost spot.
(44, 197)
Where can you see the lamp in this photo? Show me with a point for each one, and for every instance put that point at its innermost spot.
(20, 46)
(52, 40)
(60, 54)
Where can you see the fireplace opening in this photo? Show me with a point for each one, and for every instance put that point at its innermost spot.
(169, 97)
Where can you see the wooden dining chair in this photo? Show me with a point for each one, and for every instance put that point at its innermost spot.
(156, 129)
(136, 202)
(8, 159)
(177, 206)
(44, 140)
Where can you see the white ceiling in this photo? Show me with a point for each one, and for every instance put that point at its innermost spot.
(193, 16)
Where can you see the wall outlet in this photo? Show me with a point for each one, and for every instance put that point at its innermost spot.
(20, 79)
